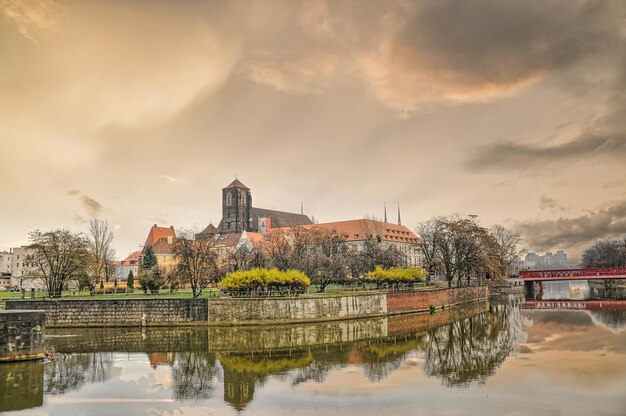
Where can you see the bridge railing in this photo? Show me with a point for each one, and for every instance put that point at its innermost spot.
(543, 274)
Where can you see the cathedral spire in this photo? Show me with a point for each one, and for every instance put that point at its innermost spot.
(385, 211)
(399, 222)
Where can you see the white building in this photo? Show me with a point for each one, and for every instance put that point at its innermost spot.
(22, 270)
(129, 264)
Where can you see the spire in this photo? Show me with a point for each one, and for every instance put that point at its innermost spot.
(399, 222)
(301, 208)
(385, 212)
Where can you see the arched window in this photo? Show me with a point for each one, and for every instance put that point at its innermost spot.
(229, 199)
(243, 199)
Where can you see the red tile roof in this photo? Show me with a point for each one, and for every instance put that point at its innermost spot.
(157, 233)
(131, 260)
(357, 230)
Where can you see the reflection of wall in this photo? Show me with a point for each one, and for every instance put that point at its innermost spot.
(21, 385)
(21, 335)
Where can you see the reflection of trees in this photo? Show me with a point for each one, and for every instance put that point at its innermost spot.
(474, 348)
(193, 375)
(381, 359)
(67, 372)
(614, 321)
(243, 373)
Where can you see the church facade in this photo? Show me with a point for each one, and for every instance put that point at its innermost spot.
(238, 214)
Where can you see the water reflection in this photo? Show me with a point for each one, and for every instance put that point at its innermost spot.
(225, 370)
(474, 348)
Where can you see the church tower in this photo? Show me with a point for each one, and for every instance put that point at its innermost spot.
(236, 208)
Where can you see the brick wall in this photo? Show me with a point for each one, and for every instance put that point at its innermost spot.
(401, 302)
(118, 312)
(21, 335)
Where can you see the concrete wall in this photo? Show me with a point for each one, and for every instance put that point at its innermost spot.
(229, 311)
(118, 312)
(21, 335)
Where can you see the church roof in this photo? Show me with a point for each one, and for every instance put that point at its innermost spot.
(280, 218)
(210, 229)
(236, 184)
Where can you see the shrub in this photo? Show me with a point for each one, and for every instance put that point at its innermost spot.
(264, 282)
(396, 276)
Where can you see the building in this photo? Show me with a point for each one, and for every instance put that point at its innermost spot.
(129, 264)
(549, 261)
(22, 268)
(390, 235)
(6, 258)
(239, 215)
(162, 241)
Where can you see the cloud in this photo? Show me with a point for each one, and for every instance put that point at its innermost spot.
(34, 18)
(549, 204)
(91, 206)
(574, 232)
(171, 179)
(495, 49)
(509, 155)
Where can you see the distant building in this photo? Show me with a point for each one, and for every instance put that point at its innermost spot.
(239, 215)
(22, 268)
(390, 235)
(162, 241)
(5, 268)
(129, 264)
(549, 261)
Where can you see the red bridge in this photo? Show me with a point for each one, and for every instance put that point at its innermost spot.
(590, 305)
(573, 274)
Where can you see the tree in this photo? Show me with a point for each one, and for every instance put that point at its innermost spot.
(148, 259)
(130, 281)
(509, 245)
(152, 280)
(605, 253)
(58, 257)
(196, 262)
(101, 252)
(461, 249)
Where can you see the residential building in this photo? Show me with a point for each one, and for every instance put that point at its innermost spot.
(22, 269)
(129, 264)
(5, 268)
(162, 241)
(549, 261)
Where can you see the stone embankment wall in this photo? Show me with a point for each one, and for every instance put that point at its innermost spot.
(118, 312)
(21, 335)
(256, 311)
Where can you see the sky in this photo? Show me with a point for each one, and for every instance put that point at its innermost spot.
(140, 112)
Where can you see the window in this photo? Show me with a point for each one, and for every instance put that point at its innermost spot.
(243, 199)
(229, 200)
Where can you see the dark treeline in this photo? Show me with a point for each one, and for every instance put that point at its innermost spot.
(605, 253)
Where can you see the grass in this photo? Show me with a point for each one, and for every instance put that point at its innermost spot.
(331, 290)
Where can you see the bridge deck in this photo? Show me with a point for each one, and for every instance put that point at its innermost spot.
(574, 274)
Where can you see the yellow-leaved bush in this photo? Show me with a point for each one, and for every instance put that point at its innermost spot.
(397, 275)
(264, 282)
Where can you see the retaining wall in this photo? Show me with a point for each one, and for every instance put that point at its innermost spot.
(21, 335)
(229, 311)
(118, 312)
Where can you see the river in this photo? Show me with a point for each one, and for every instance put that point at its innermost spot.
(500, 358)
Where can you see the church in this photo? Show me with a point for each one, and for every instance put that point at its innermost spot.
(238, 214)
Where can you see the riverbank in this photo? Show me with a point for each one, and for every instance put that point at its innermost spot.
(69, 313)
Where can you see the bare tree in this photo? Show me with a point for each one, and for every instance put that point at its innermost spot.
(101, 251)
(509, 245)
(58, 256)
(196, 261)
